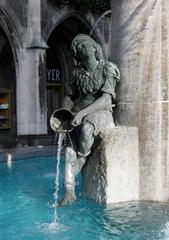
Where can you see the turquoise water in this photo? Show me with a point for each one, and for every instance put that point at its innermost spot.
(26, 212)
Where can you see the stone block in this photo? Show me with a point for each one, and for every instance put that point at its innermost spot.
(111, 173)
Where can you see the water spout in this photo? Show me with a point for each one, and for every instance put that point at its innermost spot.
(100, 18)
(58, 156)
(9, 161)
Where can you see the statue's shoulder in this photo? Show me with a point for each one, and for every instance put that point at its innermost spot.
(110, 70)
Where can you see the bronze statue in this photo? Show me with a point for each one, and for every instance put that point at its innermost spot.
(89, 97)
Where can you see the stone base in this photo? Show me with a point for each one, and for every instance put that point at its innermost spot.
(35, 140)
(112, 173)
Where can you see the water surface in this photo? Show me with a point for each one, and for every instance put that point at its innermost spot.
(26, 210)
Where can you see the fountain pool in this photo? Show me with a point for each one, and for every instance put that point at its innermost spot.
(26, 210)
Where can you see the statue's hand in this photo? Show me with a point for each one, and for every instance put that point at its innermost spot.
(77, 119)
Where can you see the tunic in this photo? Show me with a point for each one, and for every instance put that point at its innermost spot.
(86, 88)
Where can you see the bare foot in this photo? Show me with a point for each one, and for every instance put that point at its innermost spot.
(68, 198)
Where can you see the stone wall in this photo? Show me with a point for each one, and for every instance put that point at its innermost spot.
(52, 16)
(140, 47)
(27, 25)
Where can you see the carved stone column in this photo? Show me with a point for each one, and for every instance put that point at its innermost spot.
(31, 87)
(140, 47)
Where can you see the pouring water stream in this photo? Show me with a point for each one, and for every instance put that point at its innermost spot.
(58, 156)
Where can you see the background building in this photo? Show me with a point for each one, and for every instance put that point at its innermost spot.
(35, 61)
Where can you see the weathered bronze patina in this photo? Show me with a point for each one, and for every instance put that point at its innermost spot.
(89, 97)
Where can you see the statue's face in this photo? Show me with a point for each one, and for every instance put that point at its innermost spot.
(84, 49)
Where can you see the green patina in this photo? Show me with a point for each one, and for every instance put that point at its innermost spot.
(89, 97)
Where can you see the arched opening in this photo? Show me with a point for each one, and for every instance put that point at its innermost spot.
(59, 60)
(8, 126)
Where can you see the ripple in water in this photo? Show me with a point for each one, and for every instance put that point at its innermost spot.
(25, 214)
(52, 228)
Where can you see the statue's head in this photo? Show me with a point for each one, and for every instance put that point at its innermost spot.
(84, 46)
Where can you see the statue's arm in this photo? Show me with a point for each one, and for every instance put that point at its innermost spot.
(67, 103)
(100, 104)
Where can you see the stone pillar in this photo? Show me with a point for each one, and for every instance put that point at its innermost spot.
(140, 48)
(112, 172)
(31, 86)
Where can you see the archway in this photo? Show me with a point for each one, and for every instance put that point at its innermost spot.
(59, 60)
(8, 125)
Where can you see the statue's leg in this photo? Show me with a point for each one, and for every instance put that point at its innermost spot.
(69, 175)
(73, 163)
(85, 143)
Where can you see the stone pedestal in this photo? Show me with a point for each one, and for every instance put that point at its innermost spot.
(112, 172)
(140, 48)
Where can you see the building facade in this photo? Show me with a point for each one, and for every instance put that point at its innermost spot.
(35, 63)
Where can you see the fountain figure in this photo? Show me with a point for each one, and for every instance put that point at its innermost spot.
(89, 98)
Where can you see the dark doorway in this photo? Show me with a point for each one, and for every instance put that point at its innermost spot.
(59, 60)
(8, 124)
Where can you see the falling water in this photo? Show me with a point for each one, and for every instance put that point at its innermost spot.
(54, 144)
(70, 140)
(100, 18)
(9, 161)
(56, 194)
